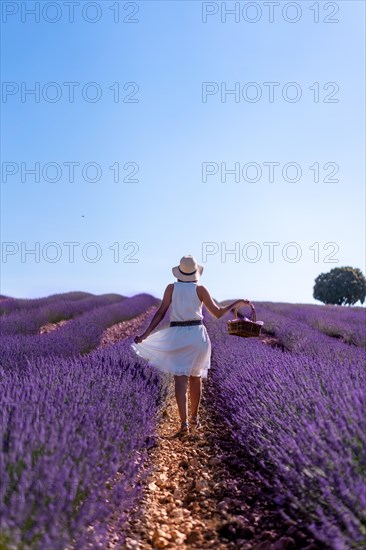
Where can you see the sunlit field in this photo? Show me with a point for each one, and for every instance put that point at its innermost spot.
(78, 418)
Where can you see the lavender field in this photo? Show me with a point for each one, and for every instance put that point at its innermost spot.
(298, 409)
(70, 420)
(77, 420)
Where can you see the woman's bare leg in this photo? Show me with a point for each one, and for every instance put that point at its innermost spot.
(181, 383)
(195, 392)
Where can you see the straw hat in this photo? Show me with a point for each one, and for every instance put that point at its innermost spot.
(188, 269)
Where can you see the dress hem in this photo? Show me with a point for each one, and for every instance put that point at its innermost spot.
(203, 374)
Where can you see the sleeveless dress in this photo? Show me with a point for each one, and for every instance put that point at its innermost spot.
(180, 349)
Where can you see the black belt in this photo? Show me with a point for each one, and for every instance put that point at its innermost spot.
(186, 323)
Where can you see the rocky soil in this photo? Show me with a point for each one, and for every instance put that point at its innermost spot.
(50, 327)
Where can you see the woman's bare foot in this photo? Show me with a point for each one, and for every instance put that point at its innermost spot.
(184, 430)
(195, 423)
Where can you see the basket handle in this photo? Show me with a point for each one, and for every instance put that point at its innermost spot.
(253, 316)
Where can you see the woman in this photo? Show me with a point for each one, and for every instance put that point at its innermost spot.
(184, 348)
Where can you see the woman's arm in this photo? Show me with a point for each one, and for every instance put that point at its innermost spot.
(216, 310)
(159, 315)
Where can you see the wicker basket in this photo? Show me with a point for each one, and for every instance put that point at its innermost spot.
(246, 328)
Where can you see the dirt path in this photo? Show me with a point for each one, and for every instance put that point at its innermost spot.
(112, 334)
(50, 327)
(124, 329)
(182, 503)
(196, 499)
(201, 493)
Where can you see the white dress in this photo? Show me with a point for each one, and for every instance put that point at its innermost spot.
(180, 349)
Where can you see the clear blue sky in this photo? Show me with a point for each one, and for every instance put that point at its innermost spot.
(169, 133)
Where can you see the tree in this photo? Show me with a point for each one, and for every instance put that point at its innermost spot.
(342, 285)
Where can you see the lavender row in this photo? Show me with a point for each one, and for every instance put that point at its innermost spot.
(78, 336)
(300, 417)
(9, 304)
(75, 433)
(298, 337)
(29, 321)
(347, 324)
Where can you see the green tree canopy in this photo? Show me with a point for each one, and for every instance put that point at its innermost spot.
(341, 286)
